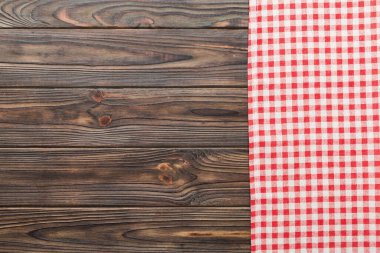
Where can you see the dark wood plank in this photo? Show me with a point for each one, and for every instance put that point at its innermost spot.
(123, 58)
(147, 230)
(124, 177)
(123, 118)
(126, 14)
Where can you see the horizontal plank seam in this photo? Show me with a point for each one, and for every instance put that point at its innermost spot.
(126, 148)
(125, 28)
(105, 87)
(107, 207)
(19, 87)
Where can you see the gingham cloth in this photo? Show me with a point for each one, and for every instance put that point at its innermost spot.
(314, 125)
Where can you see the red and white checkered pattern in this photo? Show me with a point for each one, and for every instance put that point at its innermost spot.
(314, 125)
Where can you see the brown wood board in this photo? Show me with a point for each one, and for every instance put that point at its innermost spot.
(145, 230)
(124, 14)
(123, 126)
(123, 177)
(123, 118)
(123, 58)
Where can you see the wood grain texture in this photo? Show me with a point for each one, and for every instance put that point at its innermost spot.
(123, 140)
(123, 118)
(147, 230)
(123, 58)
(124, 177)
(125, 14)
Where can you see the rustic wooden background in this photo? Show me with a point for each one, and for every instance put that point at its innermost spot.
(123, 126)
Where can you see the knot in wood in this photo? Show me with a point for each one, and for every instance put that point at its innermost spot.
(166, 179)
(97, 96)
(170, 170)
(105, 120)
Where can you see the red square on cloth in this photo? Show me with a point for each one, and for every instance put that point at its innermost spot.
(314, 125)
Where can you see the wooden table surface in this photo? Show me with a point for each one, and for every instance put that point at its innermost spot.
(123, 126)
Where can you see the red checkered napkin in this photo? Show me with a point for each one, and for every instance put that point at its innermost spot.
(314, 125)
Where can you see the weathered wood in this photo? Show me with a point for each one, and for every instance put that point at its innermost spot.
(124, 177)
(123, 118)
(123, 140)
(122, 58)
(126, 14)
(148, 230)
